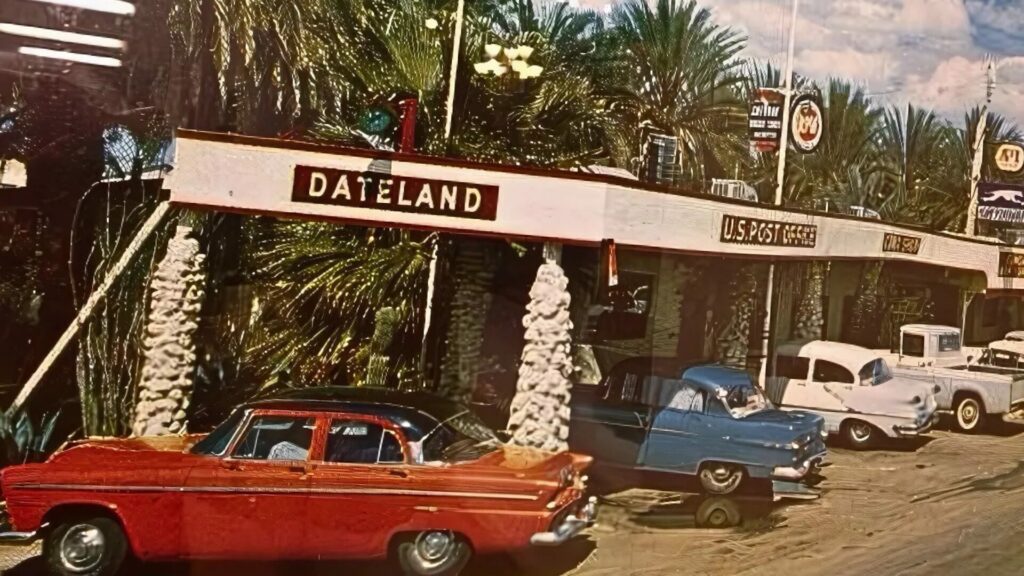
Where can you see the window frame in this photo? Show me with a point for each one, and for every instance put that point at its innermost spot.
(243, 428)
(814, 371)
(386, 425)
(808, 374)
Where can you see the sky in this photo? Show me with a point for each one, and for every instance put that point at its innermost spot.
(929, 52)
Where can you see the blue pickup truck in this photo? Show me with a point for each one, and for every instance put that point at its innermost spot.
(701, 420)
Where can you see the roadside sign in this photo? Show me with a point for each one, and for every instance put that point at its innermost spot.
(1001, 202)
(1009, 157)
(765, 119)
(807, 123)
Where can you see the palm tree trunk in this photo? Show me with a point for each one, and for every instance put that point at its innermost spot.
(540, 409)
(865, 316)
(169, 356)
(472, 278)
(810, 317)
(734, 335)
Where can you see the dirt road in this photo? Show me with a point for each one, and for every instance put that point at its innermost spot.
(953, 506)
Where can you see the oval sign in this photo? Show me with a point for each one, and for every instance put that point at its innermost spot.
(807, 124)
(1010, 157)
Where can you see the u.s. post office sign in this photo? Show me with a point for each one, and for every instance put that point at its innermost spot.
(395, 193)
(744, 230)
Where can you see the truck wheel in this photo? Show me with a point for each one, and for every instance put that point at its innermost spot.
(970, 414)
(858, 435)
(433, 553)
(721, 478)
(85, 546)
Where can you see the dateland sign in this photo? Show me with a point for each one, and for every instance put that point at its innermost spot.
(395, 193)
(1001, 202)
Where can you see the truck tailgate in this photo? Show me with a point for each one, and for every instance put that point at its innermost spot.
(1017, 390)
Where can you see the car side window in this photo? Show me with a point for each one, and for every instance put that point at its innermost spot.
(688, 399)
(825, 371)
(793, 367)
(276, 438)
(361, 442)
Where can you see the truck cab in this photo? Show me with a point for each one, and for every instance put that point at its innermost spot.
(923, 345)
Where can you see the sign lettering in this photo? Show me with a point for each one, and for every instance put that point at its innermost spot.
(1010, 157)
(1011, 265)
(394, 193)
(900, 243)
(765, 119)
(742, 230)
(1001, 202)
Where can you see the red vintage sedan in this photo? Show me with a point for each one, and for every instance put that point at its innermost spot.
(321, 473)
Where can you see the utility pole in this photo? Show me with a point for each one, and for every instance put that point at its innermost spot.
(979, 147)
(768, 337)
(454, 72)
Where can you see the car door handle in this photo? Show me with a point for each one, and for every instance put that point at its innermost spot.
(398, 473)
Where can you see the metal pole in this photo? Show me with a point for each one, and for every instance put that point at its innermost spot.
(787, 91)
(456, 48)
(979, 149)
(94, 300)
(767, 338)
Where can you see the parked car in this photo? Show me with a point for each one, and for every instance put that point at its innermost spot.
(973, 390)
(321, 473)
(1015, 335)
(704, 420)
(853, 389)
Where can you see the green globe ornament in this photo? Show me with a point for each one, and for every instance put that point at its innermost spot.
(375, 121)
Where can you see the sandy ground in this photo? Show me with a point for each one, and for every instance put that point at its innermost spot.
(948, 504)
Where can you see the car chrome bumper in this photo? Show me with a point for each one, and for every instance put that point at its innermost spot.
(568, 528)
(799, 472)
(915, 430)
(18, 537)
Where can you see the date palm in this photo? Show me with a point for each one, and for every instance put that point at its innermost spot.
(676, 74)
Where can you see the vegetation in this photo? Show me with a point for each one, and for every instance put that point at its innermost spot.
(313, 69)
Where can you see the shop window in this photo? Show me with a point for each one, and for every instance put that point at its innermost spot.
(794, 367)
(626, 311)
(825, 371)
(360, 442)
(990, 312)
(276, 438)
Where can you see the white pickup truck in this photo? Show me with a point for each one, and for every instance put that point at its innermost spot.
(852, 388)
(972, 389)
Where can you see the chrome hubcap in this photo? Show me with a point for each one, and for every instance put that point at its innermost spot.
(860, 432)
(433, 547)
(968, 412)
(718, 517)
(81, 548)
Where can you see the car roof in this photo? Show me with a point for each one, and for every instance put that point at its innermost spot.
(929, 329)
(416, 411)
(850, 356)
(1015, 346)
(714, 376)
(1015, 335)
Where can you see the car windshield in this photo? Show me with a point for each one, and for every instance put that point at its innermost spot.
(216, 442)
(875, 372)
(460, 438)
(744, 400)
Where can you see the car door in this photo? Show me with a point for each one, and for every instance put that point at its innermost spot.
(251, 503)
(676, 441)
(361, 487)
(611, 429)
(830, 384)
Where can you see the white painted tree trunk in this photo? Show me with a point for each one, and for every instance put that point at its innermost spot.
(540, 409)
(169, 349)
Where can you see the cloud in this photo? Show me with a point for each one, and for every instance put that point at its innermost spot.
(930, 52)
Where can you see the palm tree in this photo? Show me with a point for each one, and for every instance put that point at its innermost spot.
(924, 165)
(675, 74)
